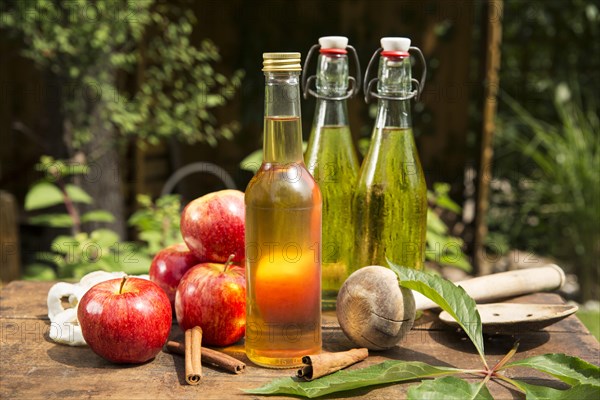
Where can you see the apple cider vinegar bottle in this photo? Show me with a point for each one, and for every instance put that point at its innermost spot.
(331, 159)
(283, 231)
(390, 202)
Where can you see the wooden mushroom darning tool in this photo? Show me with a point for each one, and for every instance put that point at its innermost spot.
(374, 312)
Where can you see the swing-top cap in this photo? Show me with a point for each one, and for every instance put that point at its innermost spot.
(395, 44)
(281, 62)
(333, 42)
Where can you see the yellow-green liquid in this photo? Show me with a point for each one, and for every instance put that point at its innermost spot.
(331, 159)
(390, 203)
(283, 260)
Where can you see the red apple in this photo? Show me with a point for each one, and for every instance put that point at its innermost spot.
(213, 226)
(169, 265)
(213, 297)
(125, 320)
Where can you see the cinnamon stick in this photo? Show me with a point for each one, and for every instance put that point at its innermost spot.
(324, 364)
(210, 356)
(193, 357)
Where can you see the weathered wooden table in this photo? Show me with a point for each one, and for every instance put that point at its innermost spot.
(32, 366)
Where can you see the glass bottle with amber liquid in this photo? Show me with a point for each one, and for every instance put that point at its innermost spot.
(283, 231)
(331, 158)
(390, 202)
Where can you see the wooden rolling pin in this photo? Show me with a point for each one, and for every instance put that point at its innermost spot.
(505, 284)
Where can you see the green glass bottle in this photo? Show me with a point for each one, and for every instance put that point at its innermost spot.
(390, 202)
(331, 159)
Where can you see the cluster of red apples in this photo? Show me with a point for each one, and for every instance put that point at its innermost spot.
(129, 320)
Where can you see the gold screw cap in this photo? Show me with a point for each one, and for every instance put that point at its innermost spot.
(281, 62)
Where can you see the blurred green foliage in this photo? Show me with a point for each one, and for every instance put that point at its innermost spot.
(158, 222)
(591, 320)
(545, 42)
(550, 204)
(136, 58)
(76, 254)
(441, 246)
(545, 184)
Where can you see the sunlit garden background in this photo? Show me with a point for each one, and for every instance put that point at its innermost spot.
(116, 114)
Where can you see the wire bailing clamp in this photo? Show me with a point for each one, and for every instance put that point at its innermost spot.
(419, 85)
(354, 87)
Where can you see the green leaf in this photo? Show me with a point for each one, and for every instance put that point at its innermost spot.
(77, 169)
(446, 250)
(39, 272)
(104, 237)
(451, 298)
(77, 194)
(571, 370)
(136, 263)
(447, 204)
(129, 258)
(435, 223)
(449, 388)
(442, 199)
(53, 220)
(385, 372)
(363, 146)
(456, 260)
(252, 161)
(78, 270)
(591, 320)
(579, 392)
(97, 216)
(154, 240)
(49, 257)
(42, 195)
(63, 244)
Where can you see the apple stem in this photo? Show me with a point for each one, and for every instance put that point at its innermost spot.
(228, 262)
(122, 284)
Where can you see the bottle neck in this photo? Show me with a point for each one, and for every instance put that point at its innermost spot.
(332, 75)
(282, 127)
(394, 82)
(331, 113)
(332, 81)
(282, 94)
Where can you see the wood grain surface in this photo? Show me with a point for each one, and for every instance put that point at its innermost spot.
(34, 367)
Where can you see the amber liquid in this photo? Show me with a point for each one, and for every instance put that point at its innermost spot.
(283, 253)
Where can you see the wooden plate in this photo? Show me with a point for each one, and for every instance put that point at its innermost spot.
(511, 318)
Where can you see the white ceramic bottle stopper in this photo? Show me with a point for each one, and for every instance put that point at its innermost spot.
(333, 42)
(395, 44)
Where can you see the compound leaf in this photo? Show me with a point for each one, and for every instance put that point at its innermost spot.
(386, 372)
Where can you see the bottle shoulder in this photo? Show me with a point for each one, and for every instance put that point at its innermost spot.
(331, 147)
(393, 161)
(282, 186)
